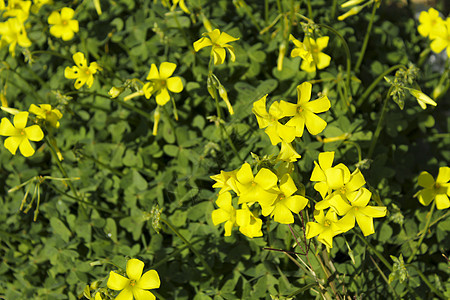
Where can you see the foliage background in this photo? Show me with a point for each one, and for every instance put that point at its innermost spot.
(124, 170)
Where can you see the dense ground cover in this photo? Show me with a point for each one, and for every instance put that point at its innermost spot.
(272, 149)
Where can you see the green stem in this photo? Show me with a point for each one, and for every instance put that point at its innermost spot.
(61, 168)
(349, 59)
(333, 9)
(183, 33)
(121, 103)
(427, 224)
(308, 3)
(384, 278)
(199, 256)
(374, 83)
(54, 53)
(366, 38)
(375, 251)
(428, 283)
(358, 148)
(379, 125)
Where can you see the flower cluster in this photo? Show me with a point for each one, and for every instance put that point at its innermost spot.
(272, 191)
(301, 114)
(343, 194)
(436, 29)
(12, 31)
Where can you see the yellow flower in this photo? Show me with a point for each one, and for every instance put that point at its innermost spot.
(326, 228)
(225, 213)
(438, 190)
(422, 98)
(288, 153)
(45, 112)
(304, 112)
(256, 188)
(19, 135)
(136, 285)
(161, 82)
(219, 41)
(358, 210)
(311, 53)
(276, 131)
(226, 181)
(428, 22)
(63, 25)
(300, 50)
(12, 33)
(441, 39)
(19, 9)
(285, 204)
(248, 222)
(82, 72)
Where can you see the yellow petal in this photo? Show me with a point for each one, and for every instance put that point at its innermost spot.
(73, 25)
(231, 50)
(361, 198)
(322, 188)
(313, 229)
(219, 55)
(322, 42)
(37, 110)
(72, 72)
(80, 60)
(25, 148)
(225, 38)
(317, 106)
(304, 92)
(117, 282)
(166, 70)
(134, 269)
(67, 35)
(318, 174)
(356, 181)
(283, 215)
(374, 211)
(12, 143)
(443, 175)
(335, 178)
(7, 129)
(20, 120)
(266, 179)
(426, 180)
(219, 216)
(442, 201)
(162, 97)
(425, 196)
(326, 159)
(298, 121)
(126, 294)
(314, 123)
(140, 294)
(287, 185)
(150, 280)
(174, 84)
(245, 174)
(296, 203)
(34, 133)
(202, 43)
(365, 223)
(54, 18)
(326, 238)
(80, 82)
(214, 35)
(67, 13)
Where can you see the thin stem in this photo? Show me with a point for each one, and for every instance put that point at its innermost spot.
(349, 59)
(61, 168)
(379, 125)
(428, 283)
(358, 148)
(122, 103)
(375, 82)
(54, 53)
(366, 38)
(384, 277)
(308, 3)
(427, 224)
(375, 251)
(333, 9)
(183, 33)
(199, 256)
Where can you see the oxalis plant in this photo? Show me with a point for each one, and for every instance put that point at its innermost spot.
(198, 149)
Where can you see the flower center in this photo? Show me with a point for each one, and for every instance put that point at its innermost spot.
(300, 109)
(132, 282)
(22, 132)
(327, 223)
(342, 190)
(64, 22)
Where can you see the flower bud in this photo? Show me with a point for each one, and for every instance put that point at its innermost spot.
(157, 116)
(355, 10)
(224, 95)
(114, 92)
(422, 98)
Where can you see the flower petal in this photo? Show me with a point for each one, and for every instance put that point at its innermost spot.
(304, 92)
(442, 201)
(117, 282)
(20, 120)
(444, 175)
(34, 133)
(25, 148)
(365, 223)
(296, 203)
(266, 179)
(140, 294)
(326, 160)
(12, 143)
(314, 123)
(54, 18)
(150, 280)
(313, 229)
(225, 38)
(163, 97)
(166, 70)
(72, 72)
(134, 269)
(219, 55)
(202, 43)
(7, 128)
(174, 84)
(425, 196)
(126, 294)
(317, 106)
(245, 174)
(426, 180)
(80, 60)
(67, 13)
(356, 181)
(374, 211)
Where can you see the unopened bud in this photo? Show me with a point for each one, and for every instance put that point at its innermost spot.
(281, 56)
(207, 23)
(157, 116)
(351, 3)
(224, 95)
(10, 110)
(422, 98)
(355, 10)
(114, 92)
